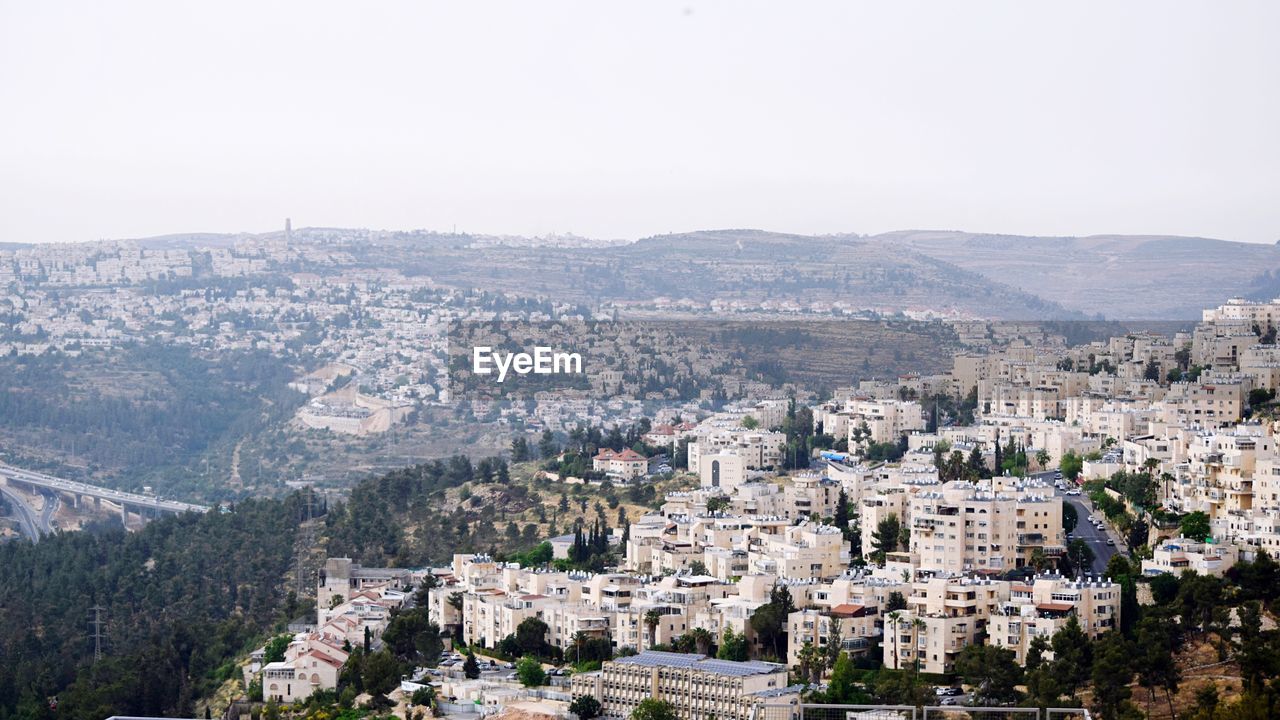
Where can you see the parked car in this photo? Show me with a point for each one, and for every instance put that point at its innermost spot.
(1111, 542)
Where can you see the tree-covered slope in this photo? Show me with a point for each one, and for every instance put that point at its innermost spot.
(182, 599)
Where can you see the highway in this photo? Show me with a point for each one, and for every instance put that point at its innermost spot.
(51, 503)
(28, 523)
(58, 485)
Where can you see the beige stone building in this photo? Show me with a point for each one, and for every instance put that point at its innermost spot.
(1043, 607)
(697, 686)
(1211, 403)
(625, 465)
(969, 527)
(856, 625)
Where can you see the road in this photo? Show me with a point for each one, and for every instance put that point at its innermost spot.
(51, 503)
(28, 521)
(1096, 539)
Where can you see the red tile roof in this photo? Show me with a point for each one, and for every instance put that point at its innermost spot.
(848, 610)
(324, 658)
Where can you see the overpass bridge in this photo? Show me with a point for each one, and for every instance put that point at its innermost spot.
(142, 505)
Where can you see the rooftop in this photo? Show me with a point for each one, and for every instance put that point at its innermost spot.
(655, 658)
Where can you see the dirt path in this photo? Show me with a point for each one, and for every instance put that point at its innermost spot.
(235, 465)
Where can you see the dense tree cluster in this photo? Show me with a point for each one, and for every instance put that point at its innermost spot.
(182, 599)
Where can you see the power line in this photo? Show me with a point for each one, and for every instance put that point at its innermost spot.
(97, 622)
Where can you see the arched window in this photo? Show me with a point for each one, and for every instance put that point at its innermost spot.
(715, 473)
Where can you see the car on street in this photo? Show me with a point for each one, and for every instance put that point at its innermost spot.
(947, 691)
(1111, 542)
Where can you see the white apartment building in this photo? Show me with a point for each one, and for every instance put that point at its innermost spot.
(1174, 556)
(887, 420)
(759, 449)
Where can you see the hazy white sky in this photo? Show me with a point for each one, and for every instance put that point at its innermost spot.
(610, 119)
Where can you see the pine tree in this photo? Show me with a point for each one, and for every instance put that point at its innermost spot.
(842, 512)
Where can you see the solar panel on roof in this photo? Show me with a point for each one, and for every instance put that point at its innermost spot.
(659, 658)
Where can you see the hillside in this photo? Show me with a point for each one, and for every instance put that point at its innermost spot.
(987, 275)
(148, 414)
(423, 514)
(751, 266)
(1117, 276)
(994, 276)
